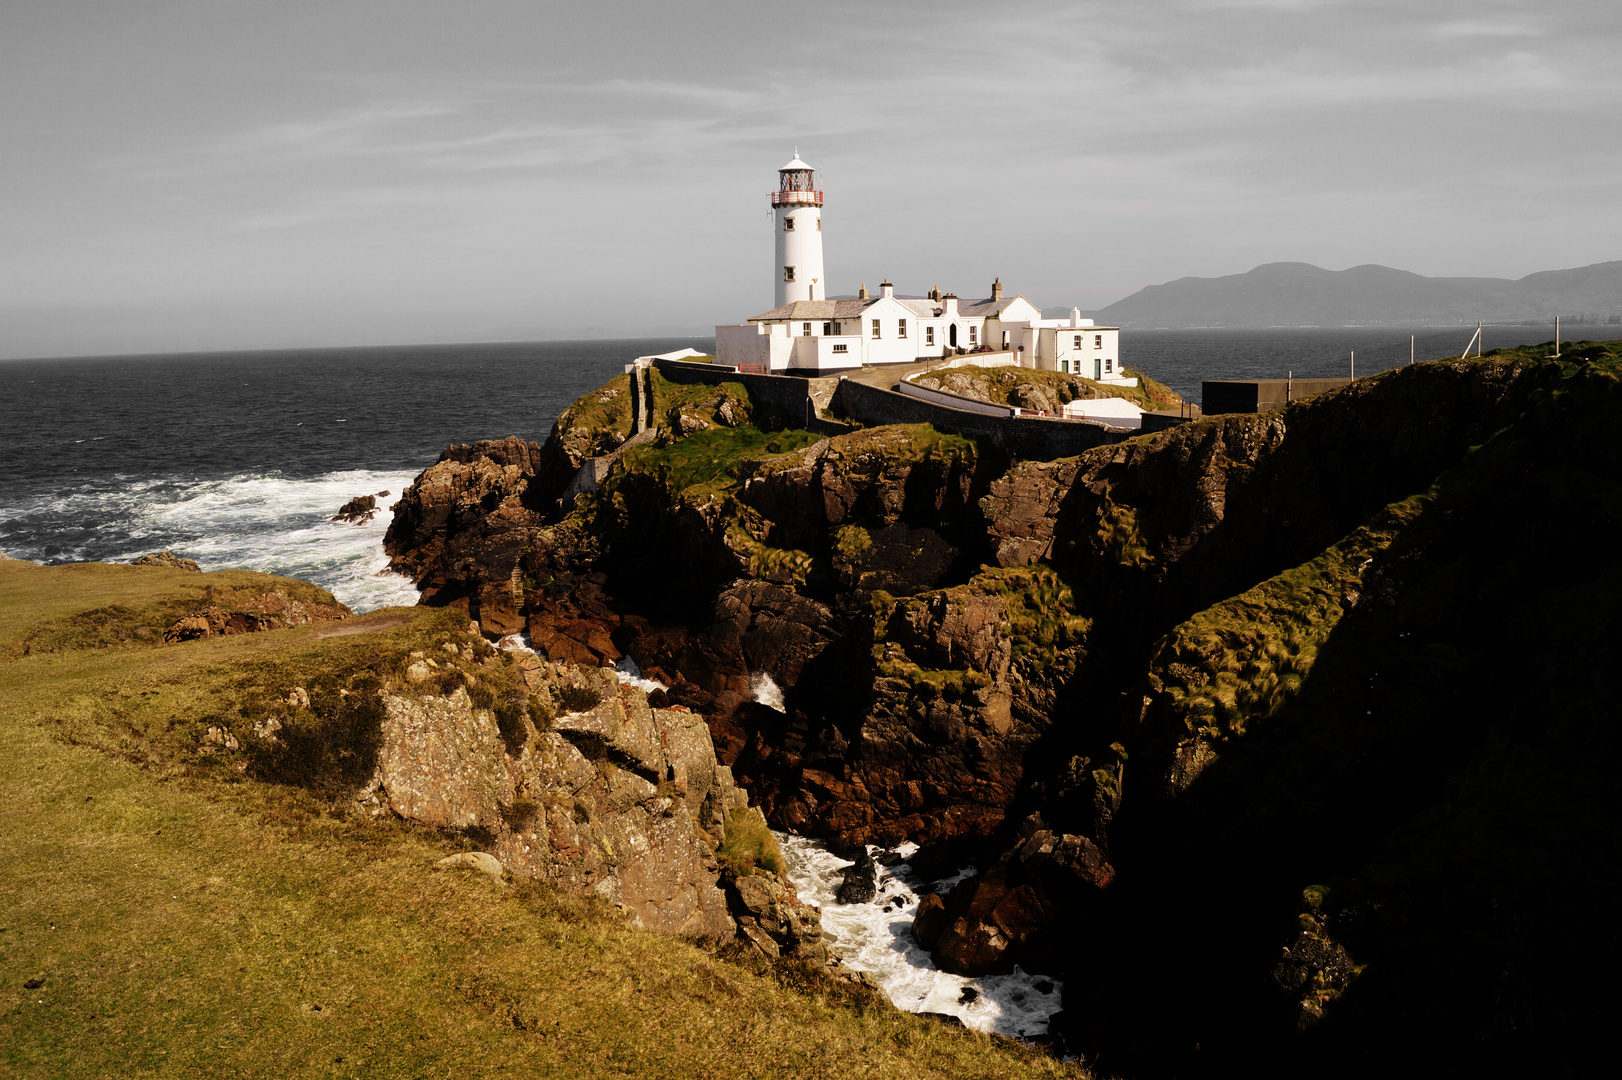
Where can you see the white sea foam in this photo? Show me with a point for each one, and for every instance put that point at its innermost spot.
(516, 643)
(766, 690)
(877, 938)
(630, 674)
(258, 522)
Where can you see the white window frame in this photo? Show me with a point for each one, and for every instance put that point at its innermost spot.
(876, 331)
(901, 329)
(788, 273)
(929, 335)
(788, 224)
(805, 329)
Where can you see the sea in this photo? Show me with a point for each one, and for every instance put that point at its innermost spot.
(240, 459)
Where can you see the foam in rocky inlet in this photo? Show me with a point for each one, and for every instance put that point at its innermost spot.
(630, 674)
(766, 691)
(877, 938)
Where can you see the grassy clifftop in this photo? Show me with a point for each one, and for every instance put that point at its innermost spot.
(167, 915)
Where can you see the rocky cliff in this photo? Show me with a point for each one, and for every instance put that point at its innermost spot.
(1196, 701)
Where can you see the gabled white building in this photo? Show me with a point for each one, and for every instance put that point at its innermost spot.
(808, 332)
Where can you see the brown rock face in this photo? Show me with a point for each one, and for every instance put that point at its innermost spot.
(1007, 915)
(922, 730)
(462, 526)
(619, 799)
(271, 610)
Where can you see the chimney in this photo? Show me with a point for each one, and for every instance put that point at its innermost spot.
(935, 293)
(886, 288)
(951, 305)
(863, 294)
(1075, 316)
(996, 289)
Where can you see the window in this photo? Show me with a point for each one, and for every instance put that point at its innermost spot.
(929, 335)
(1078, 341)
(1098, 341)
(1108, 363)
(901, 328)
(875, 329)
(974, 332)
(842, 348)
(827, 328)
(805, 329)
(788, 273)
(819, 224)
(788, 224)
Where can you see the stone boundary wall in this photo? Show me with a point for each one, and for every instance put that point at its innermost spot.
(785, 394)
(1033, 438)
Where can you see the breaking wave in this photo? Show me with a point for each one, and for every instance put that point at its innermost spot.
(259, 521)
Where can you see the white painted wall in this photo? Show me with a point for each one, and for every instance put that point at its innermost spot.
(1116, 412)
(801, 248)
(889, 347)
(740, 345)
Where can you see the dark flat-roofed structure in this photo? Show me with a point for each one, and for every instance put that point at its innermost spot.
(1259, 395)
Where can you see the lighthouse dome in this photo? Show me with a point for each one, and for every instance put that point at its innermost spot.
(795, 165)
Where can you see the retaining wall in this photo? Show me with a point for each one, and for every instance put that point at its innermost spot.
(784, 394)
(953, 401)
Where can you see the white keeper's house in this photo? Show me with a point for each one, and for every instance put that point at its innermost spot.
(808, 332)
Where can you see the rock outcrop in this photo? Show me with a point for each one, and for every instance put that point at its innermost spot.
(269, 610)
(360, 509)
(585, 785)
(167, 559)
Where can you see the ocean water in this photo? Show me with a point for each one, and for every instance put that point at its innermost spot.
(239, 459)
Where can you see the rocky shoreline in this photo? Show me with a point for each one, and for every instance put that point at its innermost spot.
(1105, 676)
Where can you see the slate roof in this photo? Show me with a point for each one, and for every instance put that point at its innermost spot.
(810, 310)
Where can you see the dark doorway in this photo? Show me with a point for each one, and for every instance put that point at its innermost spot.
(951, 335)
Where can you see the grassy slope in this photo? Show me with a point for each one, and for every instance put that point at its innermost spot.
(186, 923)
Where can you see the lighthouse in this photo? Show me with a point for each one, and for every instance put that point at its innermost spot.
(797, 216)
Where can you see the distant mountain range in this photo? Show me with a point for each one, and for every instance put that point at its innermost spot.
(1300, 294)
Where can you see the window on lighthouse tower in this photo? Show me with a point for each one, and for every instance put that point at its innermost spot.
(788, 273)
(788, 224)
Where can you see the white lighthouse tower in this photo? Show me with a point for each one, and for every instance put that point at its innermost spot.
(797, 214)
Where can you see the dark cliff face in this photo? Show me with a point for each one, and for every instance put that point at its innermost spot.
(1292, 685)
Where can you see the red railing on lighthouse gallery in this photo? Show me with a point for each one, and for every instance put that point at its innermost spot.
(790, 198)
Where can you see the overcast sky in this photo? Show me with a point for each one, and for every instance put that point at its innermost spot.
(185, 174)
